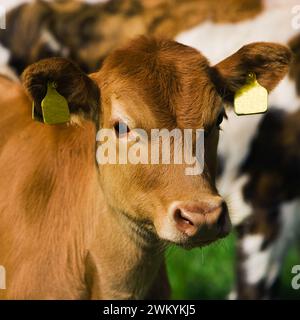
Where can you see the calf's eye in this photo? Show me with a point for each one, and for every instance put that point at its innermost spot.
(121, 129)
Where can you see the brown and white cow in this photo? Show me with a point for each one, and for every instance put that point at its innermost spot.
(87, 32)
(73, 229)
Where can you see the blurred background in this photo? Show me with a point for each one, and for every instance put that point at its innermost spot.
(87, 34)
(209, 273)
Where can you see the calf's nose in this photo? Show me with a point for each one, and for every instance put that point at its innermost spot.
(208, 219)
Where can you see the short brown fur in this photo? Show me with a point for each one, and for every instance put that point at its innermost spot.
(73, 229)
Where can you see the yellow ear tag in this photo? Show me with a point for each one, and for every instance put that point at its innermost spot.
(252, 98)
(55, 107)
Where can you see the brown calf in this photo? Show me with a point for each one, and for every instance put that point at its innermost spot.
(73, 229)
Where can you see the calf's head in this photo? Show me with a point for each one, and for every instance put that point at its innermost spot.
(159, 84)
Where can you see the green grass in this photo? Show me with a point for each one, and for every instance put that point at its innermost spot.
(208, 273)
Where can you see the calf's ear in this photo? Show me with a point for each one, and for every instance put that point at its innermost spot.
(81, 93)
(268, 61)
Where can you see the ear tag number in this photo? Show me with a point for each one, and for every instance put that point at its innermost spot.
(252, 98)
(55, 107)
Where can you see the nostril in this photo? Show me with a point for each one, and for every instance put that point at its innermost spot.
(181, 219)
(185, 221)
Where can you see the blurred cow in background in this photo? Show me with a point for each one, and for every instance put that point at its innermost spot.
(87, 32)
(259, 172)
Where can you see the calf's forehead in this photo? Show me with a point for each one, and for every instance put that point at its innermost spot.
(170, 79)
